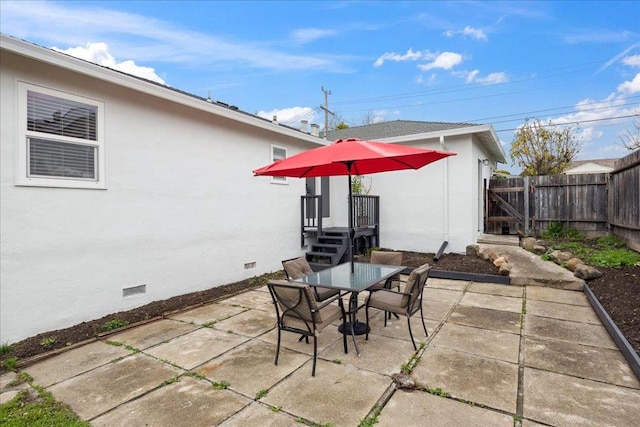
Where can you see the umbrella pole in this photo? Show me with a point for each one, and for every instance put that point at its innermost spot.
(351, 232)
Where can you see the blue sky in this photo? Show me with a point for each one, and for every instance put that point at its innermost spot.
(497, 63)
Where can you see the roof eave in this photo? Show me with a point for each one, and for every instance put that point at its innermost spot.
(64, 61)
(486, 135)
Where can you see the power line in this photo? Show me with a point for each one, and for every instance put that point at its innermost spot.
(577, 122)
(466, 87)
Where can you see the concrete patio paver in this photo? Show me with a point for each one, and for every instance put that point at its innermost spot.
(97, 391)
(289, 340)
(75, 362)
(436, 310)
(489, 382)
(340, 394)
(256, 299)
(541, 293)
(251, 323)
(486, 318)
(442, 295)
(187, 401)
(452, 285)
(495, 302)
(556, 310)
(577, 401)
(238, 367)
(596, 363)
(151, 334)
(196, 347)
(495, 289)
(480, 342)
(413, 408)
(208, 313)
(380, 354)
(259, 414)
(397, 328)
(584, 333)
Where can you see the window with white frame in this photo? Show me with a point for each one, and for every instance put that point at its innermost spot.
(61, 142)
(278, 153)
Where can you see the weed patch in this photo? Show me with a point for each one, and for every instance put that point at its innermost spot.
(40, 410)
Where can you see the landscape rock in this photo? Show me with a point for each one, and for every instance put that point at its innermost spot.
(484, 254)
(505, 269)
(403, 380)
(560, 257)
(586, 272)
(573, 263)
(528, 243)
(499, 261)
(473, 250)
(539, 249)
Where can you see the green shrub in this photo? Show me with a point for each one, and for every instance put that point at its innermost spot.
(554, 229)
(613, 258)
(113, 324)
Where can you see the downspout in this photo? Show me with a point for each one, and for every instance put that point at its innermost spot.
(445, 204)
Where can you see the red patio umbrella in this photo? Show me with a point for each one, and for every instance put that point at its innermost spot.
(352, 157)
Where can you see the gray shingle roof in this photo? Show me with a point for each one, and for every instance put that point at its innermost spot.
(392, 129)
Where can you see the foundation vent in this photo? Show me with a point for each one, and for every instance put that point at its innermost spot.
(134, 290)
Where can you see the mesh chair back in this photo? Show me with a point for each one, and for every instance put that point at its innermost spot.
(296, 268)
(294, 299)
(387, 258)
(414, 287)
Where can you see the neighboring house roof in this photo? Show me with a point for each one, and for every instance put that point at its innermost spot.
(590, 166)
(404, 130)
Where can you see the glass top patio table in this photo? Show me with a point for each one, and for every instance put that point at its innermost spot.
(340, 277)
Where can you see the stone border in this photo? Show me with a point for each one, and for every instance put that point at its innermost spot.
(625, 348)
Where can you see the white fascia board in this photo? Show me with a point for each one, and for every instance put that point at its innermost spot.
(497, 150)
(80, 66)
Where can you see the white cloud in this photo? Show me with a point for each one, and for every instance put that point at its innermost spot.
(307, 35)
(468, 31)
(148, 39)
(98, 53)
(632, 61)
(292, 116)
(630, 87)
(493, 78)
(590, 114)
(397, 57)
(445, 61)
(474, 77)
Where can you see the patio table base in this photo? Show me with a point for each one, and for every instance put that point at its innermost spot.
(359, 328)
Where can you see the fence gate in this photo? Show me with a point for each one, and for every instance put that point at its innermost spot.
(527, 205)
(507, 206)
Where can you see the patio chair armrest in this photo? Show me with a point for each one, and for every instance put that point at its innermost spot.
(329, 301)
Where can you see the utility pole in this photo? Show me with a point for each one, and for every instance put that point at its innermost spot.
(325, 107)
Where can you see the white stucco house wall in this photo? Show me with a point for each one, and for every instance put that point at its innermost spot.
(167, 204)
(116, 191)
(441, 202)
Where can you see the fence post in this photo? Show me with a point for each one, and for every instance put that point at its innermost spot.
(526, 205)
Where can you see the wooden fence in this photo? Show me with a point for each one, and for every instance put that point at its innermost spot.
(624, 200)
(595, 204)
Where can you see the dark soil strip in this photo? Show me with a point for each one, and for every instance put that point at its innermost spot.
(622, 343)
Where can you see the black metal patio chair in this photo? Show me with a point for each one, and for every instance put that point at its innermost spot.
(298, 311)
(405, 303)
